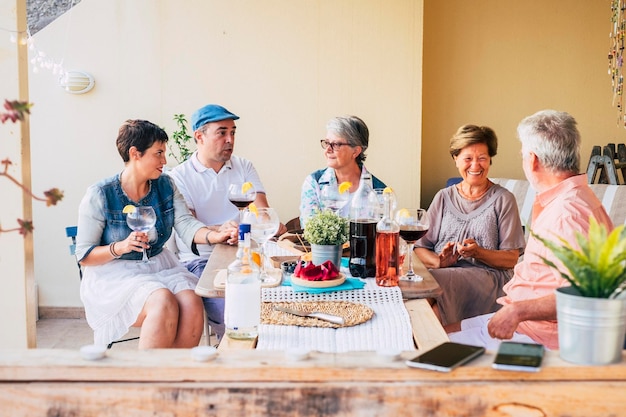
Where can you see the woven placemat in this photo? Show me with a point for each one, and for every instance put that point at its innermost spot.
(352, 313)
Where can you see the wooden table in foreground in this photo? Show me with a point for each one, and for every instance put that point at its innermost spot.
(238, 383)
(427, 331)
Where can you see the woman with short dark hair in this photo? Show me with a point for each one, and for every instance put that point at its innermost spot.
(117, 291)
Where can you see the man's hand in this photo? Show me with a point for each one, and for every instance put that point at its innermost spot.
(504, 323)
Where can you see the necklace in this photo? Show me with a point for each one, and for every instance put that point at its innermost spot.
(476, 196)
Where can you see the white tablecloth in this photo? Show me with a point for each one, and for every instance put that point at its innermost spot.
(389, 328)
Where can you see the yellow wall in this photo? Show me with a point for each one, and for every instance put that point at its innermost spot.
(493, 62)
(284, 66)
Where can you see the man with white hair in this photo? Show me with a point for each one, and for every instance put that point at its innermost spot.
(563, 206)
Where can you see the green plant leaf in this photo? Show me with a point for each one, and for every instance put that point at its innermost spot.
(597, 265)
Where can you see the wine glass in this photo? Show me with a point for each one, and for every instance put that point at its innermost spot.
(241, 194)
(264, 224)
(332, 199)
(413, 224)
(142, 219)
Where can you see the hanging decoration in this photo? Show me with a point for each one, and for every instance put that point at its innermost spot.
(39, 60)
(616, 57)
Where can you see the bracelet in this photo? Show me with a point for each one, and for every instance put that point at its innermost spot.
(206, 237)
(112, 251)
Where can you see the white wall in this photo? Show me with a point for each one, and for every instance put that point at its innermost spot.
(284, 66)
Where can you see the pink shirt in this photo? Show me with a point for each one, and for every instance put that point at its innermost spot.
(560, 211)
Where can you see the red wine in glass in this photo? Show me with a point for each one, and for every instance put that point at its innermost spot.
(240, 203)
(413, 224)
(241, 195)
(412, 233)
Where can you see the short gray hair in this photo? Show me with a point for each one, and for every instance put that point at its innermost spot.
(353, 130)
(554, 138)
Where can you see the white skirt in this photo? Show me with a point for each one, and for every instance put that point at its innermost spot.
(114, 293)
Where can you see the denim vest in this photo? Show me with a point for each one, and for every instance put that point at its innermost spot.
(160, 197)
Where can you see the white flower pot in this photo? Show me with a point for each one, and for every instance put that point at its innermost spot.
(322, 253)
(591, 330)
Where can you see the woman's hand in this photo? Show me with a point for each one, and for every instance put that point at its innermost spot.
(468, 248)
(498, 258)
(135, 241)
(448, 255)
(227, 233)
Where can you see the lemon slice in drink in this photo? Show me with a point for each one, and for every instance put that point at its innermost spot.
(344, 186)
(387, 190)
(253, 209)
(129, 208)
(404, 213)
(245, 187)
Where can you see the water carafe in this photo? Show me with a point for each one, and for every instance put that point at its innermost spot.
(242, 303)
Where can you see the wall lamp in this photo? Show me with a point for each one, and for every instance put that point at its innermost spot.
(76, 82)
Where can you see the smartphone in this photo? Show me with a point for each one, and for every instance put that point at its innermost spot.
(514, 356)
(446, 356)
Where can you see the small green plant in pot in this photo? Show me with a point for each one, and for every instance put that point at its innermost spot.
(326, 231)
(591, 313)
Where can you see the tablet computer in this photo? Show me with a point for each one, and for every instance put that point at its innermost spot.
(515, 356)
(446, 356)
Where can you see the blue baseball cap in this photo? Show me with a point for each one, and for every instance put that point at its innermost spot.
(210, 113)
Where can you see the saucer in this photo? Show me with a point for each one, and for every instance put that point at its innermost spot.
(203, 353)
(93, 352)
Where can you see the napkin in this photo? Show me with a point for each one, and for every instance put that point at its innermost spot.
(349, 284)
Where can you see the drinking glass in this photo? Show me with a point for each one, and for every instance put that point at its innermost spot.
(241, 196)
(263, 225)
(413, 224)
(332, 199)
(142, 220)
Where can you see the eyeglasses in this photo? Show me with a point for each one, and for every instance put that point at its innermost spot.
(334, 146)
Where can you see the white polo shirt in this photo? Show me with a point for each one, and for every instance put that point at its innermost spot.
(206, 192)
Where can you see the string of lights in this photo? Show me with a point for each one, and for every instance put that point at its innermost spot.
(616, 57)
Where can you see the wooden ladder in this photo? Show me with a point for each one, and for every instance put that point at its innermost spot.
(607, 163)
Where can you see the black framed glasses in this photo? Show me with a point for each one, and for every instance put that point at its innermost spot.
(334, 146)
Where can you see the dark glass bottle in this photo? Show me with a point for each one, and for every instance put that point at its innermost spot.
(363, 219)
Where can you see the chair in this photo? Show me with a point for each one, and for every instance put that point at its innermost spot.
(293, 225)
(71, 232)
(453, 181)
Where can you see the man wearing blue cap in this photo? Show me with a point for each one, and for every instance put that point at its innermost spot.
(204, 180)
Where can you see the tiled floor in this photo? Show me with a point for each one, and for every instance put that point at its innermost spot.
(74, 333)
(71, 334)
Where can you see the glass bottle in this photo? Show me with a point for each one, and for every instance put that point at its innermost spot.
(242, 304)
(387, 244)
(363, 219)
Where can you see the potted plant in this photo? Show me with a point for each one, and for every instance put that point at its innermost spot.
(591, 313)
(182, 139)
(326, 231)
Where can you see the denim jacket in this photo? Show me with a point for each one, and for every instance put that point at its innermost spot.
(101, 221)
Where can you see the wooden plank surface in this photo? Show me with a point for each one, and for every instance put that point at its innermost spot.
(427, 330)
(42, 382)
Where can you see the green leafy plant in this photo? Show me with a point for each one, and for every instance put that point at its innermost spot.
(15, 111)
(596, 269)
(182, 139)
(326, 228)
